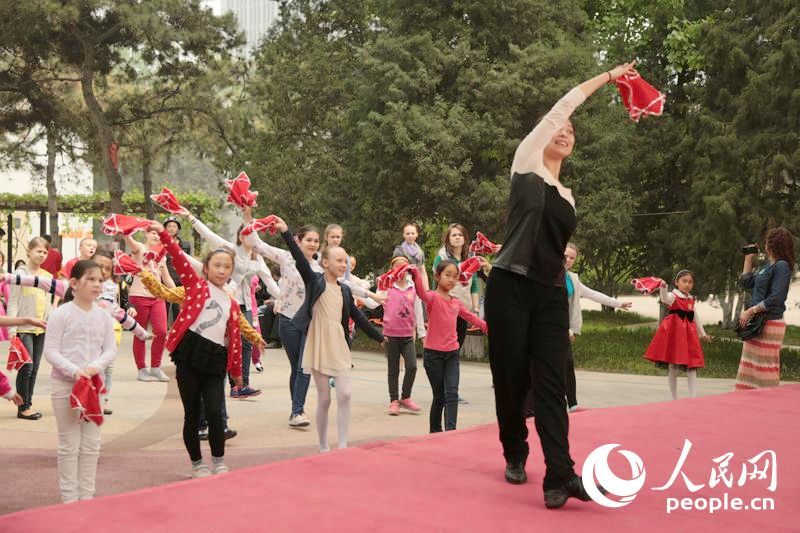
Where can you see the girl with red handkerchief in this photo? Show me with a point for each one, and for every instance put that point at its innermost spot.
(79, 344)
(676, 343)
(149, 309)
(205, 343)
(28, 301)
(402, 317)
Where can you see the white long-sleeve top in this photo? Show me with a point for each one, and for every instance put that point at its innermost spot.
(668, 297)
(76, 339)
(292, 287)
(529, 156)
(244, 265)
(582, 291)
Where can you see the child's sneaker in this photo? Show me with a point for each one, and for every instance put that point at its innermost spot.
(247, 391)
(394, 408)
(219, 468)
(410, 404)
(158, 375)
(144, 375)
(259, 367)
(200, 470)
(235, 392)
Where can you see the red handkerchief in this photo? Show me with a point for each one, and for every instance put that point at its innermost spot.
(124, 264)
(482, 246)
(166, 199)
(386, 280)
(155, 255)
(467, 268)
(18, 356)
(647, 285)
(86, 397)
(639, 97)
(261, 224)
(239, 193)
(124, 225)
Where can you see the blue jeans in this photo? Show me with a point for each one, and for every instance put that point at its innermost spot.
(247, 352)
(26, 376)
(294, 342)
(443, 373)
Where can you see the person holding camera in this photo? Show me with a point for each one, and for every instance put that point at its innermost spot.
(761, 325)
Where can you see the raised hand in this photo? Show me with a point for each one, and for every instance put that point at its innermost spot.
(156, 226)
(280, 225)
(622, 70)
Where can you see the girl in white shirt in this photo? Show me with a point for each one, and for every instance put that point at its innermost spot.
(79, 343)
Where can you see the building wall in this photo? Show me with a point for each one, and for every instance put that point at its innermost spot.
(72, 177)
(254, 17)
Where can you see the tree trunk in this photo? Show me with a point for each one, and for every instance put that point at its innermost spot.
(147, 182)
(729, 303)
(102, 131)
(52, 193)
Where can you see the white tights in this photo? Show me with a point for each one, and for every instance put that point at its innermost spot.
(343, 394)
(691, 377)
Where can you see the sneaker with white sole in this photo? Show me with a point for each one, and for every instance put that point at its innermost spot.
(200, 470)
(219, 468)
(144, 375)
(158, 375)
(299, 421)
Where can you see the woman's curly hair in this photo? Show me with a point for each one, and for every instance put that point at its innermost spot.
(780, 243)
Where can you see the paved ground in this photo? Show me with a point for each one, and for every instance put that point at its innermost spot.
(142, 444)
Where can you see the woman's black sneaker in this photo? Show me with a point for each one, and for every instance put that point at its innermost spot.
(515, 473)
(555, 498)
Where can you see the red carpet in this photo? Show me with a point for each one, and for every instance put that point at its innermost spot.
(454, 481)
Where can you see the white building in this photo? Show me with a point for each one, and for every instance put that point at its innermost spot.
(253, 16)
(71, 178)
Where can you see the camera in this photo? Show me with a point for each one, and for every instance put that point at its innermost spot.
(750, 249)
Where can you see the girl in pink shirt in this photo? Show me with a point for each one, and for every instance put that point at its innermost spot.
(402, 315)
(440, 355)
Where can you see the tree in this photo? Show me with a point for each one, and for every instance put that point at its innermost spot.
(175, 39)
(375, 113)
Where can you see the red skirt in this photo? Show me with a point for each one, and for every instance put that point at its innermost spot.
(676, 342)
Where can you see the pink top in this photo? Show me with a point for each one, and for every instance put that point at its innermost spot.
(398, 312)
(442, 317)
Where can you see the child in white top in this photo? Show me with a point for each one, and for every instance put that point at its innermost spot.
(79, 343)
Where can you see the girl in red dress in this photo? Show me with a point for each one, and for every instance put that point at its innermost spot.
(677, 340)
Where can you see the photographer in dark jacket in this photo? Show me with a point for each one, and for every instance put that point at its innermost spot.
(173, 227)
(760, 364)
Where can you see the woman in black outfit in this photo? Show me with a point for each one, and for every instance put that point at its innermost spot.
(526, 300)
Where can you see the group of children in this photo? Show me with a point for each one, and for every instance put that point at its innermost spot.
(317, 302)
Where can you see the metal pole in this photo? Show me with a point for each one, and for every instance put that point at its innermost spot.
(10, 234)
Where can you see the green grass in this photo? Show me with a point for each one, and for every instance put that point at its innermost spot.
(604, 346)
(594, 319)
(792, 337)
(616, 350)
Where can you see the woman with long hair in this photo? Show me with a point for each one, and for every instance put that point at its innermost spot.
(760, 365)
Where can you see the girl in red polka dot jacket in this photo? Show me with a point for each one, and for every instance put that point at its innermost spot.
(204, 344)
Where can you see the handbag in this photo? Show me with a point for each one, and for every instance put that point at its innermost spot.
(756, 323)
(753, 327)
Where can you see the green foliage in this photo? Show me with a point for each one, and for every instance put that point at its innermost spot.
(611, 349)
(204, 205)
